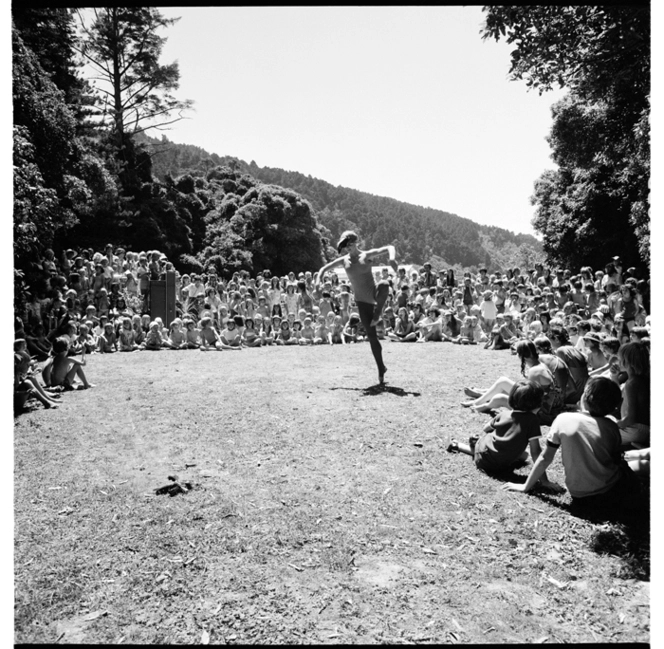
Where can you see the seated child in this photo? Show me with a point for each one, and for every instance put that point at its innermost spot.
(192, 334)
(337, 331)
(25, 379)
(404, 328)
(465, 336)
(211, 340)
(86, 339)
(177, 337)
(62, 370)
(595, 473)
(231, 336)
(351, 330)
(38, 344)
(322, 333)
(251, 337)
(430, 328)
(265, 334)
(308, 333)
(284, 334)
(126, 339)
(634, 422)
(509, 434)
(153, 339)
(107, 340)
(478, 334)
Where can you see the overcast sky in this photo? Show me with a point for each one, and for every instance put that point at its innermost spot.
(406, 102)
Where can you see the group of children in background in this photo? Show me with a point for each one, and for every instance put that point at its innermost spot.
(593, 325)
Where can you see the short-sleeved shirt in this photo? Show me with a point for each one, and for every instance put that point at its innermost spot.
(499, 449)
(590, 448)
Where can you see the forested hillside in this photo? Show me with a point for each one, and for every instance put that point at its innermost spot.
(419, 233)
(85, 173)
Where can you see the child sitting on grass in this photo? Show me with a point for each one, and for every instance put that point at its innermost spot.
(63, 370)
(231, 336)
(153, 338)
(210, 339)
(596, 476)
(634, 422)
(351, 330)
(25, 379)
(107, 341)
(503, 446)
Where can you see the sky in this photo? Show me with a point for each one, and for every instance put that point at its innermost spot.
(405, 102)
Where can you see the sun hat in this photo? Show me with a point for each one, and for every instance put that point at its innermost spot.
(346, 237)
(591, 335)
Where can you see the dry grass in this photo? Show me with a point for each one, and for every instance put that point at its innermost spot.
(322, 510)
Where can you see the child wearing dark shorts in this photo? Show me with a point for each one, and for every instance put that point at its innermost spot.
(510, 433)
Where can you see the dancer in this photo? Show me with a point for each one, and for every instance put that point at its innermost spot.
(369, 296)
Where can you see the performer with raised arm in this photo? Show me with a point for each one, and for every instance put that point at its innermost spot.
(369, 296)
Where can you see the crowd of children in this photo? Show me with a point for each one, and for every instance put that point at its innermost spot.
(594, 323)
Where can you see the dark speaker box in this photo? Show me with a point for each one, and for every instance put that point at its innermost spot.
(162, 299)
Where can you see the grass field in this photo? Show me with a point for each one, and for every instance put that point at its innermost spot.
(321, 510)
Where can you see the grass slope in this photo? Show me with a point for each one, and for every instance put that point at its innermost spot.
(322, 510)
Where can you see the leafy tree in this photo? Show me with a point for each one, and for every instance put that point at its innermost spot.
(122, 46)
(598, 199)
(256, 227)
(593, 50)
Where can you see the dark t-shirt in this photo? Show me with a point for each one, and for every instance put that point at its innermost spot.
(500, 448)
(577, 364)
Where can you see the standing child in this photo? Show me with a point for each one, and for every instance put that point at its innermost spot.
(290, 299)
(344, 303)
(325, 304)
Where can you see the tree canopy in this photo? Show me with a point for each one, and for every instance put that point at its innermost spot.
(598, 198)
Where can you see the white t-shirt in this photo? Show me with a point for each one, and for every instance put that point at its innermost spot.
(488, 309)
(590, 448)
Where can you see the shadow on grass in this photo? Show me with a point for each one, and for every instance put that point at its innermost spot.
(379, 388)
(622, 531)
